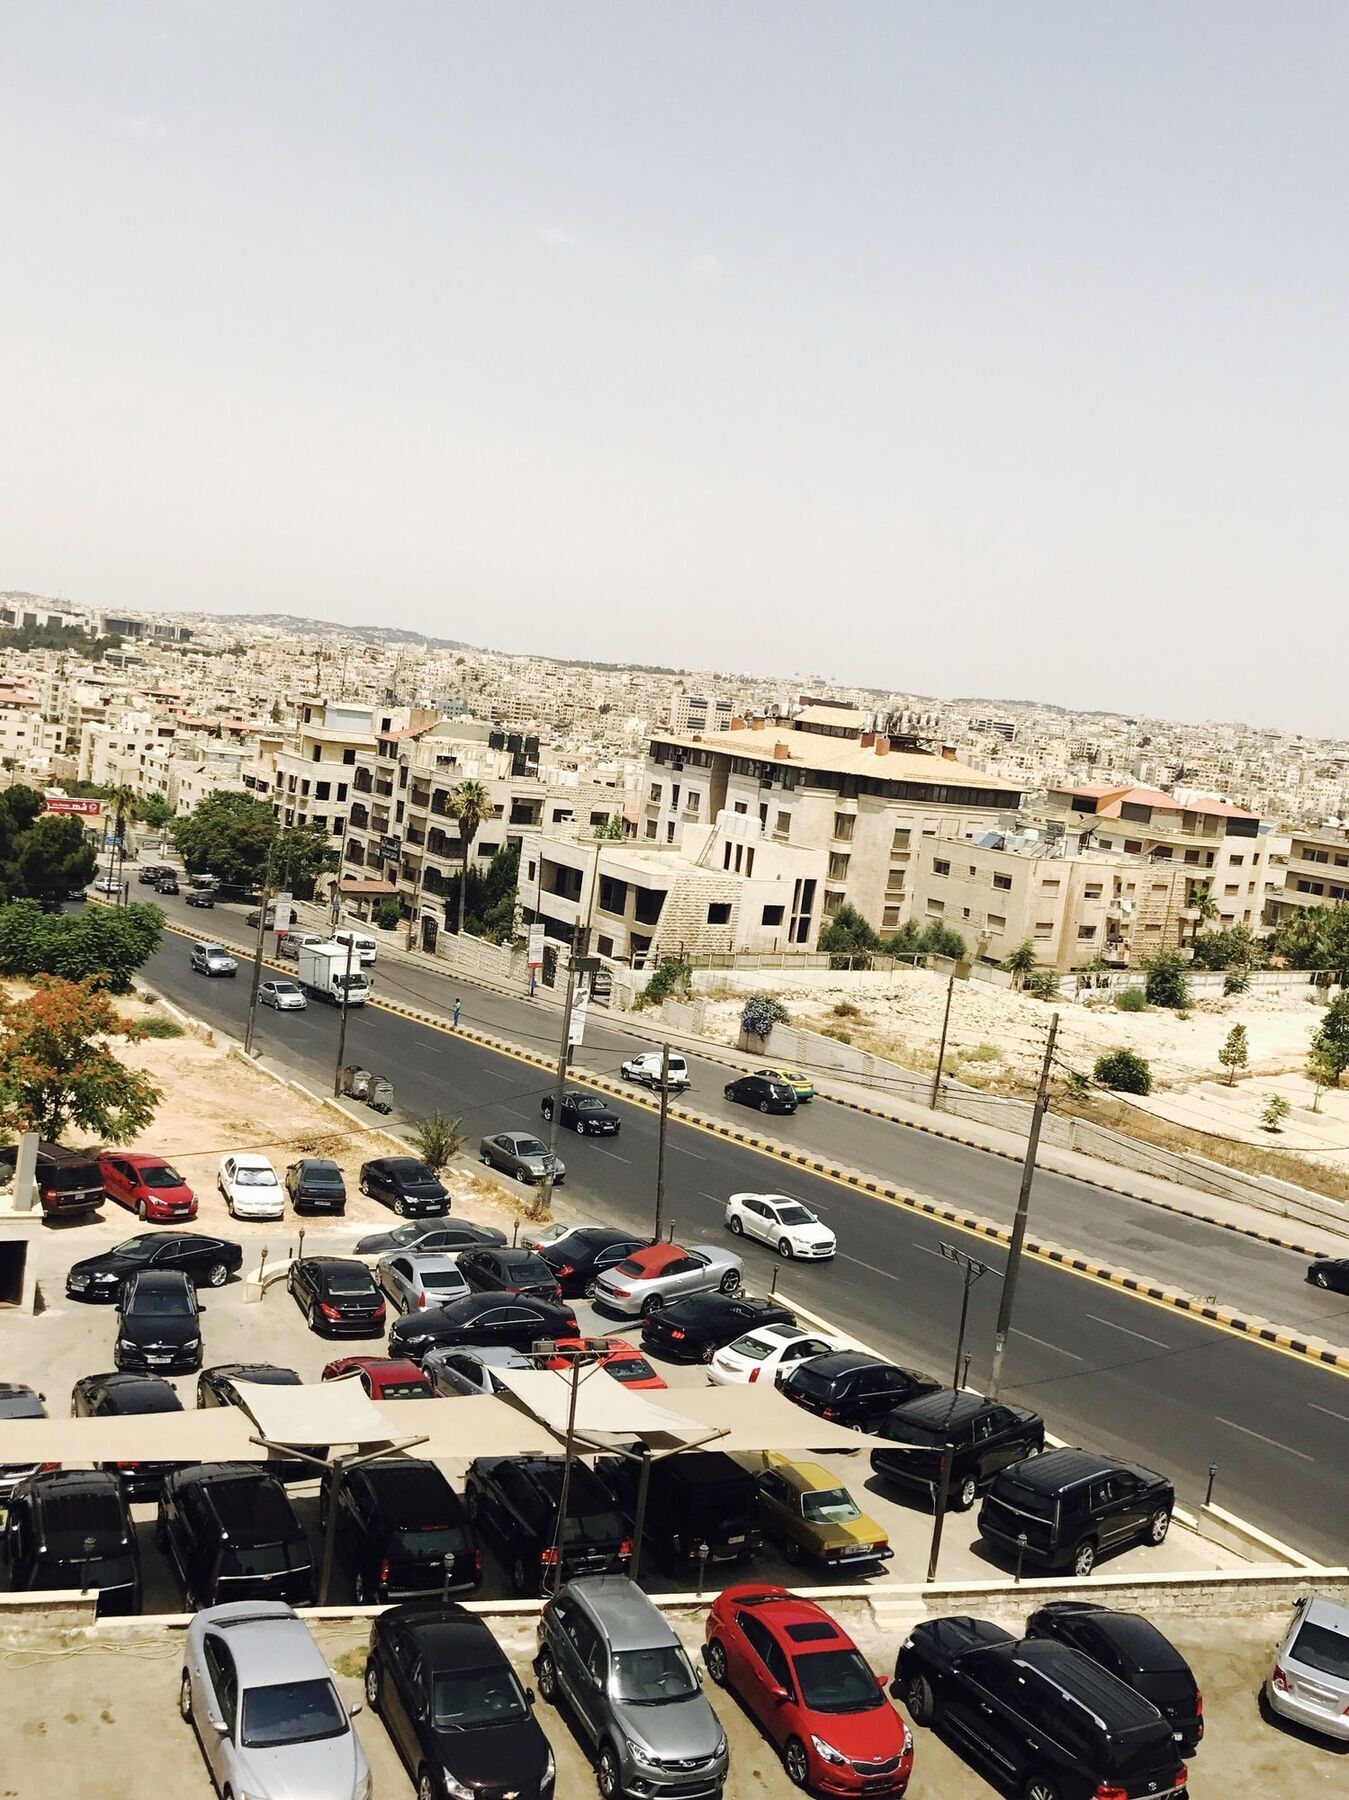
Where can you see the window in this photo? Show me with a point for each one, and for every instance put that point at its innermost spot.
(936, 908)
(1232, 887)
(1238, 861)
(1044, 928)
(1092, 891)
(843, 826)
(1132, 846)
(783, 826)
(940, 866)
(1049, 887)
(487, 849)
(900, 840)
(318, 753)
(719, 912)
(348, 757)
(341, 790)
(1086, 931)
(1192, 856)
(838, 867)
(997, 921)
(322, 789)
(1004, 883)
(772, 915)
(740, 807)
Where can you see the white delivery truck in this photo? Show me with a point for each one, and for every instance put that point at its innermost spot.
(322, 971)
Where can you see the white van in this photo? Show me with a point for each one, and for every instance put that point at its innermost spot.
(363, 947)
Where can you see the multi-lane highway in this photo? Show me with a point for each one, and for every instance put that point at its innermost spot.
(1107, 1368)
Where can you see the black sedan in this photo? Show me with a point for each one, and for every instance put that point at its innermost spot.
(442, 1235)
(481, 1319)
(693, 1330)
(337, 1295)
(585, 1114)
(1136, 1653)
(1330, 1272)
(760, 1090)
(405, 1184)
(210, 1261)
(580, 1257)
(159, 1327)
(451, 1702)
(508, 1271)
(315, 1184)
(199, 897)
(116, 1397)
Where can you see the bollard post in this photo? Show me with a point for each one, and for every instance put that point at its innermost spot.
(1020, 1552)
(447, 1564)
(702, 1554)
(1212, 1472)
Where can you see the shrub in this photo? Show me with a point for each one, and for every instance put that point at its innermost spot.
(1041, 984)
(939, 940)
(437, 1138)
(1123, 1071)
(848, 939)
(1237, 981)
(160, 1027)
(981, 1053)
(672, 980)
(761, 1012)
(1234, 1053)
(1275, 1110)
(1166, 980)
(1131, 1000)
(387, 913)
(903, 942)
(846, 1010)
(839, 1035)
(1075, 1084)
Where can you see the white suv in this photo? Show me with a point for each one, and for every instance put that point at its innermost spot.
(250, 1187)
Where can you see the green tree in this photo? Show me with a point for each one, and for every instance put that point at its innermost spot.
(298, 856)
(469, 804)
(228, 835)
(1275, 1110)
(1124, 1071)
(155, 810)
(126, 808)
(1020, 963)
(56, 1069)
(1234, 1052)
(387, 913)
(903, 942)
(1166, 980)
(613, 828)
(1328, 1057)
(105, 943)
(940, 940)
(43, 856)
(1317, 939)
(848, 939)
(1237, 948)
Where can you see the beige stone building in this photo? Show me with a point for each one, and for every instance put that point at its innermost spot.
(1316, 874)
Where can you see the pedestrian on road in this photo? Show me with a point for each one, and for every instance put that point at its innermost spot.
(457, 1004)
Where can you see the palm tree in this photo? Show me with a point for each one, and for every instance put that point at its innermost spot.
(469, 803)
(125, 803)
(1201, 899)
(1021, 962)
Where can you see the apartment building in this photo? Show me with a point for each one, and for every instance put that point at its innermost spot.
(1316, 873)
(829, 783)
(699, 712)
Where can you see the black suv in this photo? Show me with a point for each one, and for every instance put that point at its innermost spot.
(982, 1436)
(118, 1397)
(585, 1253)
(69, 1182)
(1133, 1650)
(583, 1113)
(700, 1497)
(693, 1330)
(337, 1295)
(759, 1090)
(315, 1185)
(514, 1500)
(1072, 1507)
(399, 1522)
(1042, 1718)
(159, 1329)
(70, 1528)
(230, 1534)
(853, 1388)
(405, 1184)
(481, 1320)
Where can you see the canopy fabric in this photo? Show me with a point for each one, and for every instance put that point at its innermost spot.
(217, 1434)
(760, 1418)
(604, 1407)
(317, 1412)
(457, 1429)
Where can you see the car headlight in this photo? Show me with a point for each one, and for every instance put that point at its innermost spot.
(364, 1788)
(827, 1751)
(78, 1281)
(192, 1343)
(721, 1746)
(549, 1768)
(456, 1789)
(640, 1753)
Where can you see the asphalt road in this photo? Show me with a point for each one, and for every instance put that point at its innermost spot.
(1108, 1370)
(1169, 1248)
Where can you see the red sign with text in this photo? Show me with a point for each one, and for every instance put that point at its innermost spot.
(86, 808)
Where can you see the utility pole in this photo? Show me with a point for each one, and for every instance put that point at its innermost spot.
(257, 969)
(568, 1456)
(1022, 1209)
(972, 1269)
(342, 1028)
(660, 1142)
(941, 1049)
(578, 963)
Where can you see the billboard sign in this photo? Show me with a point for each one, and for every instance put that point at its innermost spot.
(536, 946)
(85, 809)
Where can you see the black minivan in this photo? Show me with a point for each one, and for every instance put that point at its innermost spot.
(70, 1528)
(982, 1436)
(1068, 1508)
(698, 1498)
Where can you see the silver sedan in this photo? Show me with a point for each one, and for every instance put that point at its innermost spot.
(643, 1282)
(413, 1279)
(521, 1155)
(285, 996)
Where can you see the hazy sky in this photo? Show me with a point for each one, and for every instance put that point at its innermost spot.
(993, 349)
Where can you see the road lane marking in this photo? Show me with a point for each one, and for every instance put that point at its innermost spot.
(679, 1150)
(1058, 1349)
(613, 1155)
(889, 1274)
(1329, 1411)
(1128, 1332)
(1260, 1437)
(926, 1249)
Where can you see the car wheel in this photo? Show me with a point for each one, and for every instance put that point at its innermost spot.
(590, 1288)
(400, 1206)
(763, 1108)
(1084, 1559)
(485, 1160)
(920, 1699)
(791, 1550)
(784, 1250)
(217, 1275)
(965, 1495)
(1158, 1526)
(652, 1304)
(796, 1762)
(1319, 1278)
(520, 1576)
(185, 1698)
(362, 1591)
(730, 1282)
(312, 1317)
(607, 1778)
(522, 1175)
(546, 1670)
(471, 1505)
(426, 1789)
(728, 1093)
(735, 1225)
(143, 1213)
(715, 1658)
(707, 1352)
(372, 1685)
(1039, 1787)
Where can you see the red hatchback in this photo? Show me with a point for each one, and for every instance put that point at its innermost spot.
(147, 1185)
(812, 1691)
(382, 1377)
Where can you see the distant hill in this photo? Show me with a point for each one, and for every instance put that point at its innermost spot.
(370, 634)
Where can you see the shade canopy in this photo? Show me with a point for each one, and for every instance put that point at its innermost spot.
(605, 1408)
(219, 1434)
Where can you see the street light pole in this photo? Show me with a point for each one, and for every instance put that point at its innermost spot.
(342, 1028)
(660, 1142)
(576, 963)
(972, 1269)
(941, 1049)
(257, 969)
(1022, 1210)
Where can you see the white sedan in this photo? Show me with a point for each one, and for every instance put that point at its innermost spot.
(791, 1228)
(765, 1353)
(250, 1187)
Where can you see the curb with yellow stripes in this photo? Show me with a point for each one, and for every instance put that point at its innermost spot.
(1224, 1317)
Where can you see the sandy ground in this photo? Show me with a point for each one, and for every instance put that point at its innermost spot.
(997, 1037)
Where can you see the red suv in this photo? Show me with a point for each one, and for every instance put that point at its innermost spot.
(812, 1691)
(147, 1185)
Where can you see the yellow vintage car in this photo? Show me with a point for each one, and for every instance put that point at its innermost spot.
(803, 1509)
(801, 1085)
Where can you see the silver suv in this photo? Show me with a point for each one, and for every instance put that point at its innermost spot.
(632, 1688)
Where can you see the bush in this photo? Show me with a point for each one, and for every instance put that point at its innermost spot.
(761, 1012)
(1237, 981)
(1123, 1071)
(847, 939)
(159, 1027)
(1041, 984)
(1166, 980)
(839, 1035)
(387, 913)
(1131, 1000)
(903, 942)
(1275, 1110)
(939, 940)
(846, 1010)
(673, 980)
(437, 1138)
(981, 1053)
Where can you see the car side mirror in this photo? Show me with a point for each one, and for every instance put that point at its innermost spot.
(699, 1674)
(216, 1723)
(780, 1695)
(355, 1707)
(882, 1682)
(529, 1696)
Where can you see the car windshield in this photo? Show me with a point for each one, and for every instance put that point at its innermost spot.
(1322, 1649)
(137, 1249)
(631, 1267)
(292, 1712)
(248, 1177)
(529, 1146)
(466, 1699)
(754, 1349)
(837, 1681)
(591, 1106)
(651, 1677)
(284, 987)
(351, 1283)
(796, 1214)
(161, 1175)
(245, 1560)
(830, 1506)
(155, 1303)
(407, 1170)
